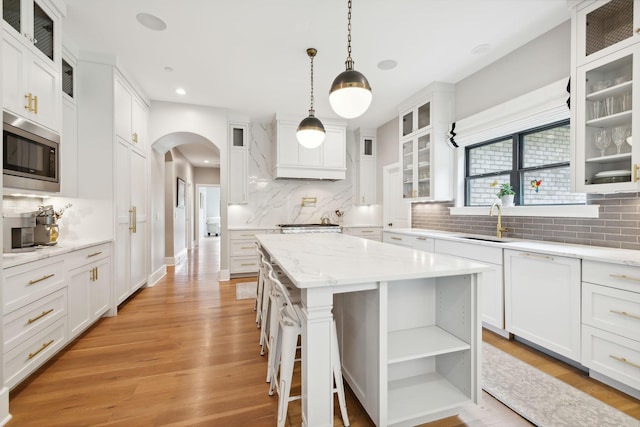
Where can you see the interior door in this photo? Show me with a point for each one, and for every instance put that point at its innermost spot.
(396, 211)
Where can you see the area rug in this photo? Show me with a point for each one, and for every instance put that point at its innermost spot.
(246, 290)
(542, 399)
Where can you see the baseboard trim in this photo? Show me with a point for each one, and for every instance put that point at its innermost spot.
(157, 275)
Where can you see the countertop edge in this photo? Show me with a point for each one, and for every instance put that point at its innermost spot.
(15, 259)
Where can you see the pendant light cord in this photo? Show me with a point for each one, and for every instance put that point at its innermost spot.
(311, 110)
(349, 61)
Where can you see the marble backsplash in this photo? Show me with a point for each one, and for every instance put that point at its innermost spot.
(273, 202)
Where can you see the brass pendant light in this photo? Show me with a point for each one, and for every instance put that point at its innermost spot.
(310, 133)
(350, 94)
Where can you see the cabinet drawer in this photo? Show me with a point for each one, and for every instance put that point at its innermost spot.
(397, 239)
(34, 317)
(616, 275)
(472, 251)
(611, 309)
(243, 248)
(371, 233)
(242, 235)
(244, 264)
(87, 255)
(28, 282)
(26, 357)
(611, 355)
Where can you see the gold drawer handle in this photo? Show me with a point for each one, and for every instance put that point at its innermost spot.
(248, 264)
(624, 313)
(94, 254)
(134, 137)
(45, 277)
(421, 238)
(366, 231)
(622, 276)
(44, 345)
(396, 238)
(247, 235)
(247, 247)
(40, 316)
(624, 360)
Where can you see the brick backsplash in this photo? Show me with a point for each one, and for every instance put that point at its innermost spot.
(618, 225)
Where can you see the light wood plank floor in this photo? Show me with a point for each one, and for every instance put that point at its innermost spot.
(185, 353)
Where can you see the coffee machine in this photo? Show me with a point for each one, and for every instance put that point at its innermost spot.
(19, 232)
(46, 231)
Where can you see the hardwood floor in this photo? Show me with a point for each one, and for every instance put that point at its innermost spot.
(185, 353)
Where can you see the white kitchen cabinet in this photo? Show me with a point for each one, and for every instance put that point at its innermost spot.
(425, 156)
(89, 287)
(130, 115)
(238, 163)
(370, 233)
(119, 180)
(611, 324)
(491, 282)
(542, 300)
(292, 160)
(605, 76)
(243, 258)
(366, 179)
(397, 238)
(131, 220)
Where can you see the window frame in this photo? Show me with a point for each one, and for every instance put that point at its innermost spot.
(517, 170)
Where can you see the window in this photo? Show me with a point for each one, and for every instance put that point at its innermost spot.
(535, 162)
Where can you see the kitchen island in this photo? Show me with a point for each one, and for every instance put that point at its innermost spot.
(408, 326)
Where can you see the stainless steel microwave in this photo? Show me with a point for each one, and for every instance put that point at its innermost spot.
(30, 155)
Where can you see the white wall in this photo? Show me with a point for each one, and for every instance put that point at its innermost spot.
(387, 149)
(538, 63)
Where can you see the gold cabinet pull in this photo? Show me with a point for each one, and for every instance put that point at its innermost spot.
(94, 254)
(248, 264)
(45, 277)
(44, 345)
(35, 104)
(396, 238)
(96, 273)
(366, 231)
(247, 247)
(625, 277)
(134, 137)
(133, 219)
(635, 172)
(28, 107)
(40, 316)
(624, 313)
(624, 360)
(421, 238)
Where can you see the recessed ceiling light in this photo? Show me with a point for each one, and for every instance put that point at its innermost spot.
(168, 69)
(480, 49)
(181, 91)
(387, 64)
(206, 161)
(151, 22)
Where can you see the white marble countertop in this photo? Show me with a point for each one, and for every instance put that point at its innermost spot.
(594, 253)
(17, 258)
(334, 259)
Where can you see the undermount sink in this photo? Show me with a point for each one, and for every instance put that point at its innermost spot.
(485, 239)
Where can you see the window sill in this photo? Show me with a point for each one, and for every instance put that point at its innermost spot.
(565, 211)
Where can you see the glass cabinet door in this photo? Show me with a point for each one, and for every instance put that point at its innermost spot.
(424, 165)
(416, 119)
(42, 31)
(607, 86)
(407, 170)
(11, 11)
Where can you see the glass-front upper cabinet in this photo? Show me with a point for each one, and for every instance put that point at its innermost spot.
(34, 21)
(416, 167)
(605, 97)
(416, 119)
(603, 27)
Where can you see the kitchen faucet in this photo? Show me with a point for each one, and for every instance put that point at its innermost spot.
(499, 227)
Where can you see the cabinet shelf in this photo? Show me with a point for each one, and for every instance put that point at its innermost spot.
(426, 341)
(422, 395)
(612, 120)
(610, 91)
(609, 159)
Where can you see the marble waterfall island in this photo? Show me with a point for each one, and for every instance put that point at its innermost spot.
(408, 326)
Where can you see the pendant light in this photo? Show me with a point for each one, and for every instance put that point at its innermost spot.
(310, 132)
(350, 94)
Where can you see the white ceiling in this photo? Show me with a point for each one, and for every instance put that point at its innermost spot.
(250, 55)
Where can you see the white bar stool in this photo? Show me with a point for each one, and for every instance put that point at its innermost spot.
(260, 287)
(286, 342)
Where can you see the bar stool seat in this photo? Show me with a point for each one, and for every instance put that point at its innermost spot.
(285, 345)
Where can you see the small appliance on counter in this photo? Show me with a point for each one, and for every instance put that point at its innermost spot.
(19, 230)
(46, 231)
